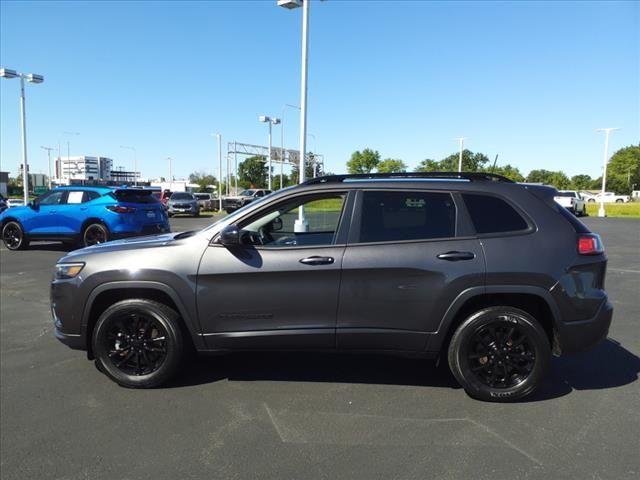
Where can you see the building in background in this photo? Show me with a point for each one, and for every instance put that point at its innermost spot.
(84, 167)
(4, 182)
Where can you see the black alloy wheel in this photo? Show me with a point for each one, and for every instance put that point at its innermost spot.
(499, 354)
(94, 234)
(138, 343)
(13, 236)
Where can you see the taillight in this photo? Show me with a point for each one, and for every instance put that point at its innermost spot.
(590, 244)
(121, 209)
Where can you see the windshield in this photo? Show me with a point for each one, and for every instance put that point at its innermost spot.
(181, 196)
(247, 193)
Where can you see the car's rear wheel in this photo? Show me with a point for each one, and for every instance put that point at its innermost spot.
(499, 354)
(94, 234)
(13, 236)
(138, 343)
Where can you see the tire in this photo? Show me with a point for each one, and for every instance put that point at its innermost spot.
(138, 343)
(95, 233)
(584, 211)
(197, 214)
(503, 338)
(13, 236)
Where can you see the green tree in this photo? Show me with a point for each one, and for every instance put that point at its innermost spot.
(548, 177)
(202, 179)
(392, 165)
(581, 182)
(363, 162)
(623, 171)
(511, 172)
(253, 172)
(427, 165)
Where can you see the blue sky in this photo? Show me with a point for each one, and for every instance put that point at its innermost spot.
(530, 81)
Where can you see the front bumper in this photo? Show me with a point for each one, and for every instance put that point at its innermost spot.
(583, 335)
(74, 341)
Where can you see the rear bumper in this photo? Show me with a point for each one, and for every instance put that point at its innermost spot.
(583, 335)
(152, 229)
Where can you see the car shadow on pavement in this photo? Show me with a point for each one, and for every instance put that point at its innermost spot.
(316, 367)
(608, 365)
(50, 247)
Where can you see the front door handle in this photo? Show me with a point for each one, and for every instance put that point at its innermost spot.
(315, 260)
(455, 256)
(52, 211)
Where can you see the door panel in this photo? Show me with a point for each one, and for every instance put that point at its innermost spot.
(248, 289)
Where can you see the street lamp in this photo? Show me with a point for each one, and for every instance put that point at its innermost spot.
(271, 121)
(31, 78)
(170, 174)
(135, 163)
(301, 225)
(219, 170)
(461, 140)
(607, 131)
(65, 134)
(48, 149)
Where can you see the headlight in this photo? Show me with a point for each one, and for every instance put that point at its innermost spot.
(68, 270)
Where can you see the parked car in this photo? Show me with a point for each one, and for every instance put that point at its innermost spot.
(572, 201)
(206, 201)
(183, 202)
(231, 204)
(15, 202)
(610, 197)
(491, 275)
(83, 215)
(3, 203)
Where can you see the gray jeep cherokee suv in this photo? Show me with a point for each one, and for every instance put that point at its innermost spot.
(492, 275)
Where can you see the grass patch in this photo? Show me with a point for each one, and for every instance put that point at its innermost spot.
(628, 210)
(326, 205)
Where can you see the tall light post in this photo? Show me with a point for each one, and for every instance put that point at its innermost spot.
(65, 134)
(31, 78)
(170, 173)
(135, 163)
(607, 131)
(301, 225)
(219, 170)
(48, 149)
(271, 121)
(461, 140)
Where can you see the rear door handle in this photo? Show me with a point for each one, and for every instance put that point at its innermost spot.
(455, 256)
(315, 260)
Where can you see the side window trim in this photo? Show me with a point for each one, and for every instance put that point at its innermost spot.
(354, 231)
(342, 228)
(531, 225)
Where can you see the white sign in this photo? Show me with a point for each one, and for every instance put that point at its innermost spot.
(75, 197)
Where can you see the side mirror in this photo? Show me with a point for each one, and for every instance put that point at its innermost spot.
(33, 204)
(229, 236)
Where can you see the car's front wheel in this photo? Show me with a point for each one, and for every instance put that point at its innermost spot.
(13, 236)
(138, 343)
(95, 233)
(499, 354)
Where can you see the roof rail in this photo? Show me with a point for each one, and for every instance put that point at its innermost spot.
(471, 176)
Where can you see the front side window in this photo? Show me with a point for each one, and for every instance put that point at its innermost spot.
(391, 216)
(280, 226)
(54, 197)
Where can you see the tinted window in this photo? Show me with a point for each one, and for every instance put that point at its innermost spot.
(53, 197)
(134, 196)
(181, 196)
(396, 216)
(492, 215)
(90, 195)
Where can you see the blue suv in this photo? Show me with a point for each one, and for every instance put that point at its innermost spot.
(84, 215)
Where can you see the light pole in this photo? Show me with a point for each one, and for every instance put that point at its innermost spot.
(135, 163)
(219, 170)
(461, 140)
(170, 174)
(271, 121)
(31, 78)
(301, 225)
(63, 134)
(48, 149)
(607, 131)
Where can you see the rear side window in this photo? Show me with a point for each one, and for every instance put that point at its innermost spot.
(493, 215)
(134, 196)
(90, 195)
(397, 216)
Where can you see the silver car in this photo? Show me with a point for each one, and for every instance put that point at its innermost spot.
(183, 203)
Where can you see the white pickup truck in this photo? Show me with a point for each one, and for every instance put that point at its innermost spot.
(572, 201)
(610, 197)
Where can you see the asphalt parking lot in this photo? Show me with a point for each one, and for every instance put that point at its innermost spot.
(295, 416)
